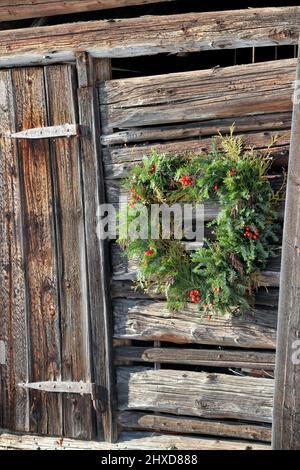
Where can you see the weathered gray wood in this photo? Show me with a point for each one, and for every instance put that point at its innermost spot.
(258, 122)
(127, 441)
(97, 272)
(14, 403)
(48, 132)
(133, 420)
(152, 35)
(286, 429)
(147, 320)
(207, 395)
(17, 10)
(204, 357)
(198, 95)
(40, 253)
(68, 199)
(119, 160)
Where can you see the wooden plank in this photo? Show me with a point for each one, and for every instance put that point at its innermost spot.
(18, 10)
(134, 420)
(127, 441)
(226, 92)
(14, 404)
(119, 160)
(40, 253)
(191, 32)
(286, 429)
(48, 132)
(68, 198)
(266, 297)
(96, 250)
(207, 395)
(204, 357)
(125, 270)
(257, 122)
(146, 320)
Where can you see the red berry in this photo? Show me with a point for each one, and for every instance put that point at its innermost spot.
(209, 317)
(149, 252)
(216, 187)
(217, 290)
(152, 168)
(232, 172)
(254, 237)
(257, 231)
(247, 227)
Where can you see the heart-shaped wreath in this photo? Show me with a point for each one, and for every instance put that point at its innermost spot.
(223, 274)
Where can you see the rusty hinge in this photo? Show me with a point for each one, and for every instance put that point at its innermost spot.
(50, 132)
(82, 388)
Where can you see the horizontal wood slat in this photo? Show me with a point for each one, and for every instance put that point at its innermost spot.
(204, 357)
(119, 160)
(207, 395)
(133, 420)
(257, 122)
(152, 35)
(127, 441)
(198, 95)
(18, 10)
(147, 320)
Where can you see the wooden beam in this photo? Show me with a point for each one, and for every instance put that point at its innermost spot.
(18, 10)
(203, 357)
(133, 420)
(191, 32)
(147, 320)
(286, 428)
(227, 92)
(96, 250)
(256, 122)
(206, 395)
(127, 441)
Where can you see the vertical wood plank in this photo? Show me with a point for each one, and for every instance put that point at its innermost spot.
(14, 367)
(77, 410)
(286, 418)
(97, 259)
(43, 317)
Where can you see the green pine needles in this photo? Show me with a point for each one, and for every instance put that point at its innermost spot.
(222, 275)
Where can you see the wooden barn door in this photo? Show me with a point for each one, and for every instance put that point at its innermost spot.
(53, 335)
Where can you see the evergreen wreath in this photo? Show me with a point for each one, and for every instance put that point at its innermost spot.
(222, 275)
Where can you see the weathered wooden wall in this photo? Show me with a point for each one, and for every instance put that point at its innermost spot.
(176, 113)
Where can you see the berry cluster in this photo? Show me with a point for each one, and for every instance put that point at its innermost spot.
(195, 296)
(149, 252)
(250, 234)
(186, 181)
(133, 197)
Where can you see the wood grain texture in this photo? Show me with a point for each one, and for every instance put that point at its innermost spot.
(204, 357)
(286, 429)
(127, 441)
(206, 395)
(152, 35)
(17, 10)
(60, 83)
(120, 160)
(14, 404)
(139, 421)
(148, 320)
(96, 249)
(198, 95)
(45, 358)
(257, 122)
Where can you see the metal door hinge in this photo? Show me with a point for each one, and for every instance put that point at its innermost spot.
(82, 388)
(50, 132)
